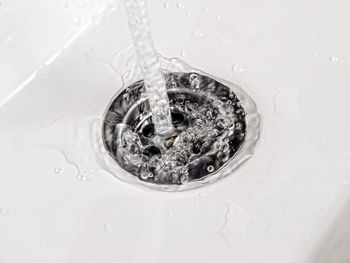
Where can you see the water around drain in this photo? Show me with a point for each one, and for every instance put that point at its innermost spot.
(210, 125)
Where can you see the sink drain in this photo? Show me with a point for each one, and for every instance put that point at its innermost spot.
(209, 122)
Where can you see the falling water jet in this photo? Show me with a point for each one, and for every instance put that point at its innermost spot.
(150, 65)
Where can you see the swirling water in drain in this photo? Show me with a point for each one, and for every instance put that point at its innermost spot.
(209, 123)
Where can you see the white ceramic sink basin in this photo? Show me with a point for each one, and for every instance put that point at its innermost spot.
(59, 66)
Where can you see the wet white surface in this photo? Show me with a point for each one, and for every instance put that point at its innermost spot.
(286, 204)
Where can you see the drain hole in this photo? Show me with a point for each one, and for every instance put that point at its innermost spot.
(177, 118)
(148, 130)
(197, 148)
(210, 127)
(151, 151)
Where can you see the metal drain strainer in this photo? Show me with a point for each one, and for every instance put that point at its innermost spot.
(210, 128)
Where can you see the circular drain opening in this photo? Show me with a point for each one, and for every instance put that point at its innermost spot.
(210, 128)
(151, 151)
(148, 131)
(177, 118)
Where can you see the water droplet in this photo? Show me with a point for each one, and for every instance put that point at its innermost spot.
(210, 168)
(184, 54)
(237, 68)
(286, 104)
(58, 170)
(108, 228)
(197, 33)
(218, 18)
(171, 213)
(80, 177)
(188, 12)
(334, 59)
(167, 5)
(180, 5)
(6, 212)
(206, 8)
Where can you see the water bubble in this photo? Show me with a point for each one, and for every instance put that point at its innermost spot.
(6, 212)
(184, 178)
(334, 59)
(225, 147)
(126, 97)
(197, 33)
(180, 99)
(237, 68)
(80, 177)
(238, 126)
(223, 156)
(180, 5)
(192, 77)
(210, 168)
(195, 84)
(145, 175)
(108, 228)
(173, 84)
(58, 170)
